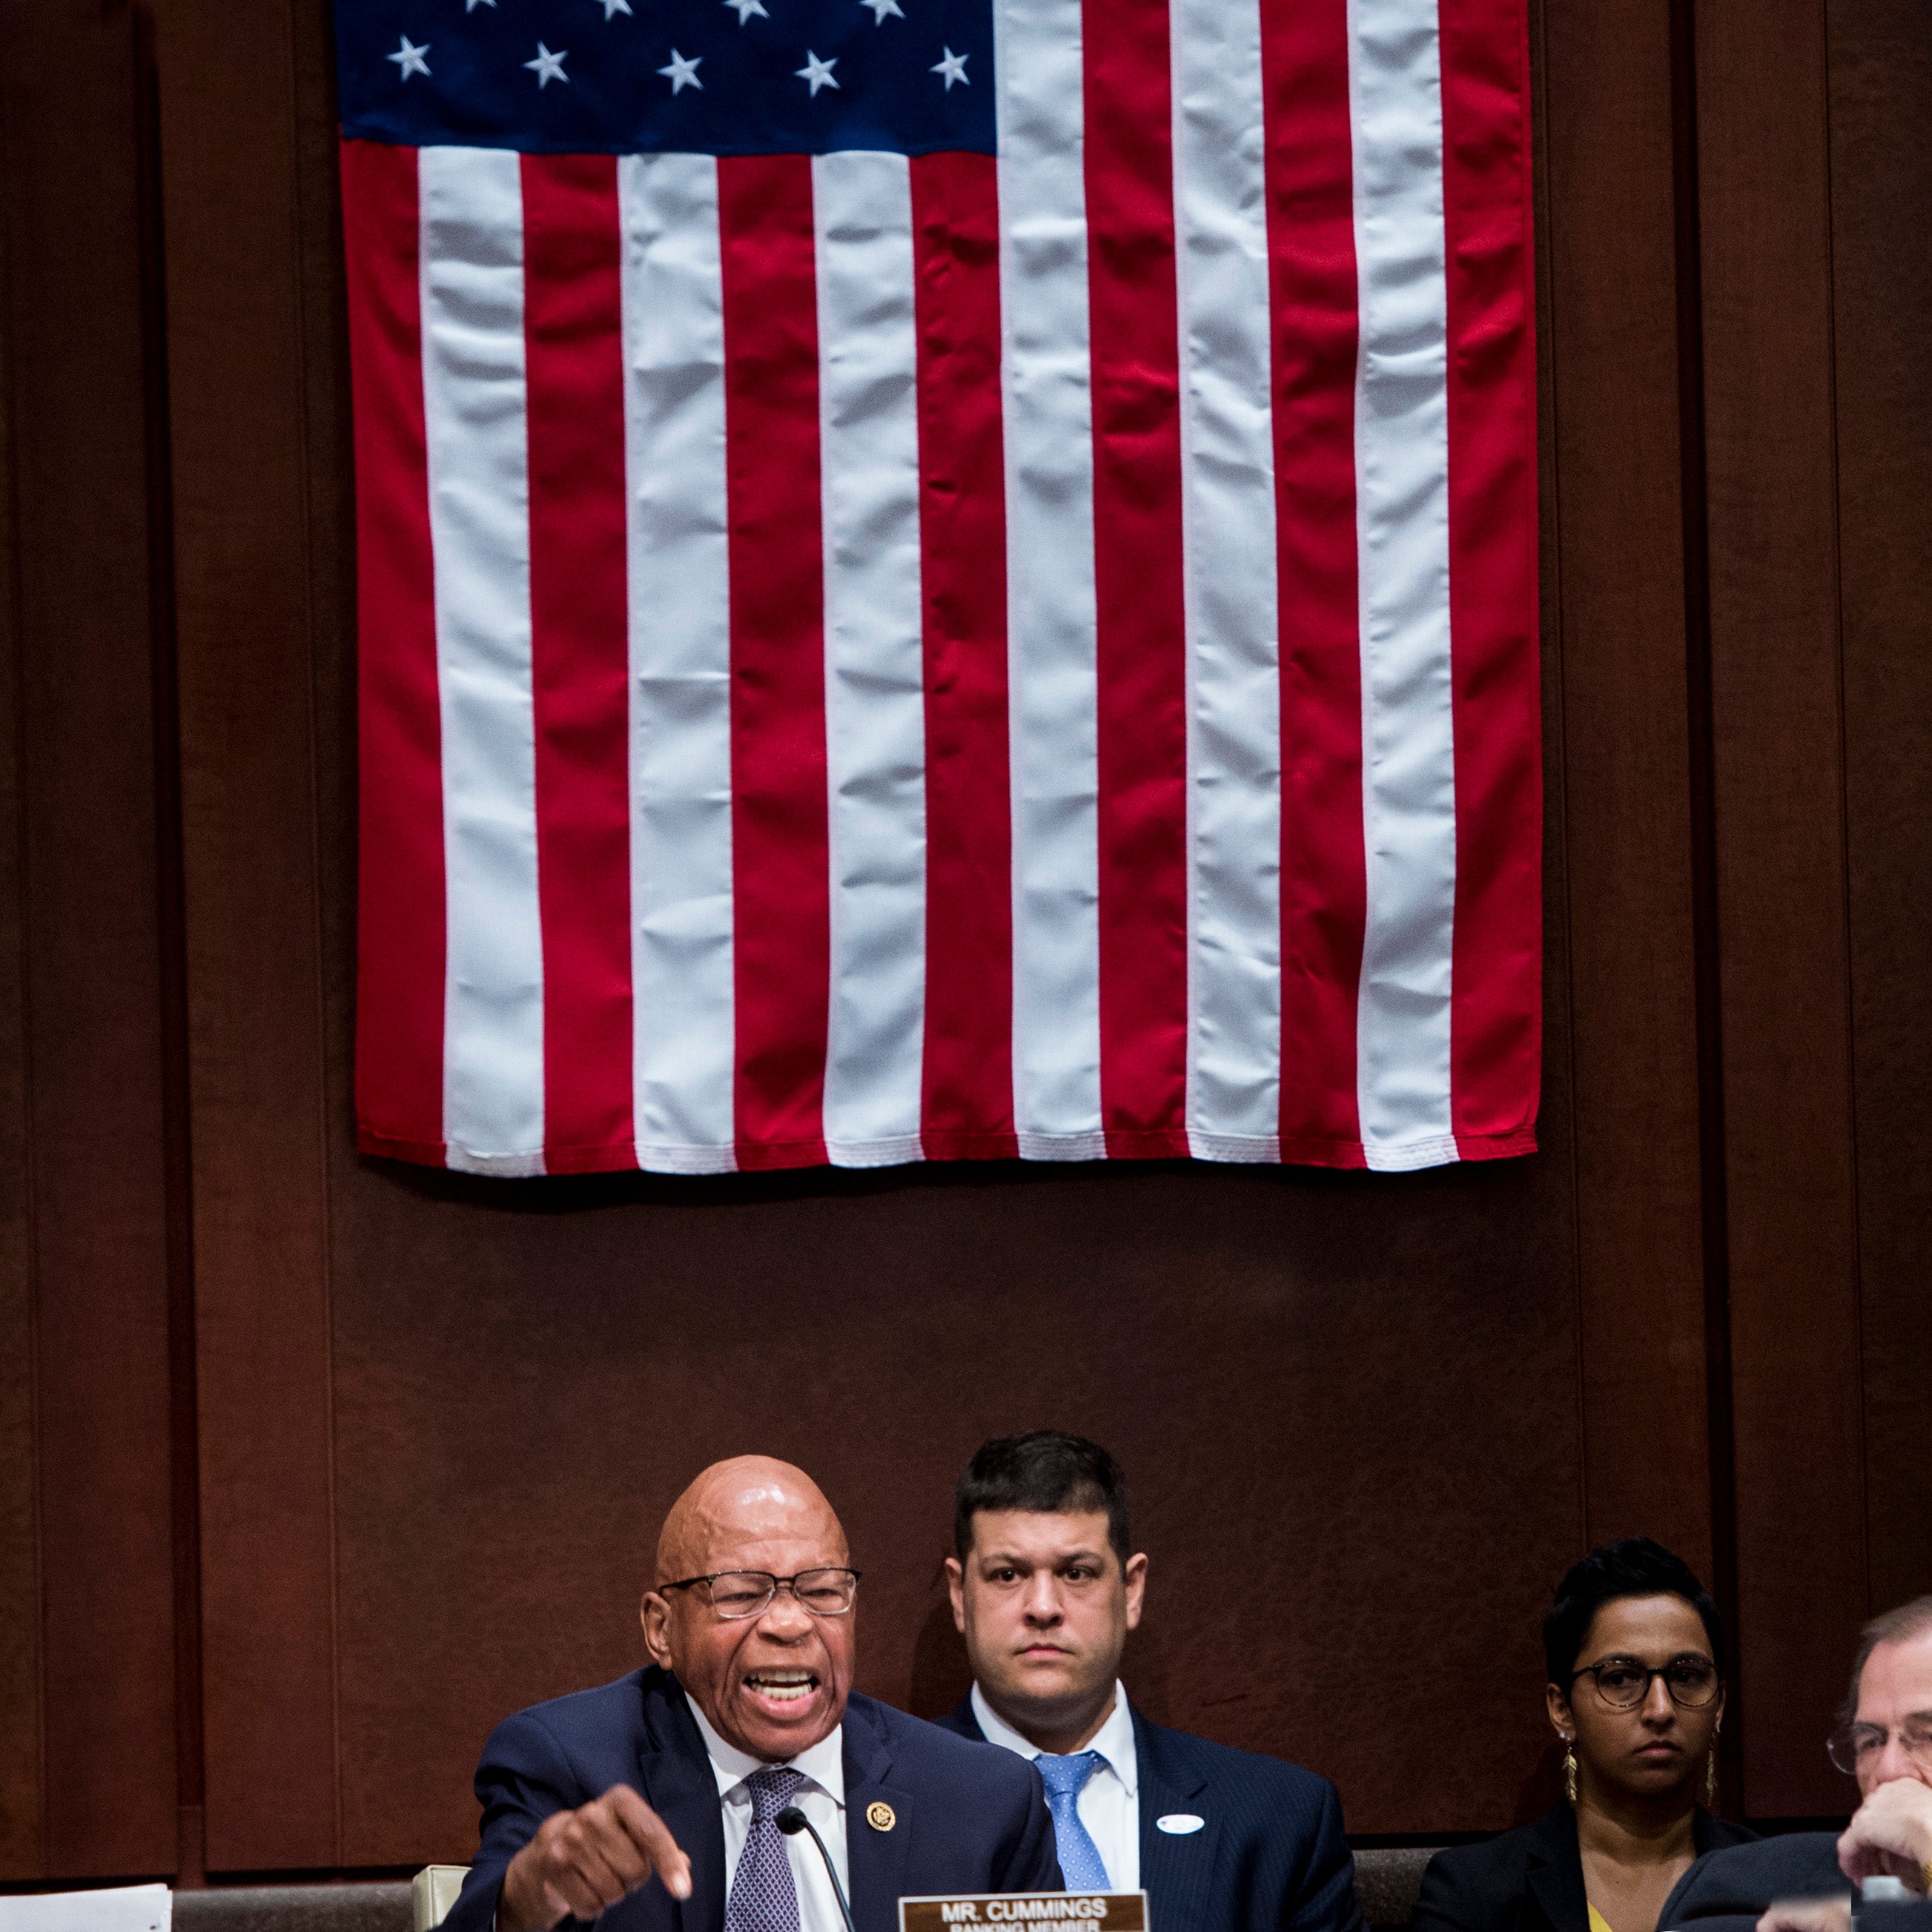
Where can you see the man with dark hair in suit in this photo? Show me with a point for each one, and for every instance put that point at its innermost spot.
(656, 1802)
(1046, 1585)
(1802, 1882)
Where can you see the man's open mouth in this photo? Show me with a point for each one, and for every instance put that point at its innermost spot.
(783, 1687)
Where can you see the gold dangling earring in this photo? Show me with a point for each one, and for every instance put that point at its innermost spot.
(1570, 1772)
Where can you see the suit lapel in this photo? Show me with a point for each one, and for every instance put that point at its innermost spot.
(679, 1786)
(1176, 1870)
(1556, 1874)
(876, 1860)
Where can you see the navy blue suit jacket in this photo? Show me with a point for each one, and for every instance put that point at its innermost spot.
(1270, 1851)
(969, 1818)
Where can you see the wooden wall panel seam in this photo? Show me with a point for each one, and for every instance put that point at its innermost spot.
(1699, 779)
(1555, 712)
(33, 1298)
(325, 1149)
(22, 990)
(33, 1286)
(172, 968)
(1844, 797)
(299, 211)
(1551, 563)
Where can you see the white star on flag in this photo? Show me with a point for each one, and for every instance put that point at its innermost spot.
(880, 8)
(746, 8)
(953, 68)
(609, 8)
(410, 58)
(548, 66)
(682, 73)
(470, 6)
(816, 72)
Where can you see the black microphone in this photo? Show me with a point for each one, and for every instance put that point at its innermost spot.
(791, 1821)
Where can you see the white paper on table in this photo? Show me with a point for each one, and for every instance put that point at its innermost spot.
(126, 1908)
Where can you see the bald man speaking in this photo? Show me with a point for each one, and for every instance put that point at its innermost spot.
(655, 1801)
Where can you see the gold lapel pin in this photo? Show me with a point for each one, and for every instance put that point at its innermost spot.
(881, 1815)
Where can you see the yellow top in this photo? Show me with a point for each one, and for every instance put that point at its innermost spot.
(1598, 1923)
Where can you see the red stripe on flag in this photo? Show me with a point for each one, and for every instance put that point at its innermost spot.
(1141, 640)
(579, 654)
(968, 1105)
(1496, 1019)
(1312, 294)
(778, 831)
(401, 931)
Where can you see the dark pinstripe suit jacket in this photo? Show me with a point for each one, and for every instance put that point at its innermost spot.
(1269, 1853)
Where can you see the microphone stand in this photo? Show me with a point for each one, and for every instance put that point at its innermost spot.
(791, 1821)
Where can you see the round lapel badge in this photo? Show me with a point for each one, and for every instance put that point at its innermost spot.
(1180, 1823)
(881, 1815)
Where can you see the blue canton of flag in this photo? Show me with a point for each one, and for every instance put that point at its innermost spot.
(673, 77)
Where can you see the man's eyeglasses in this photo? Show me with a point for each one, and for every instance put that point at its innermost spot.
(1623, 1683)
(1852, 1747)
(736, 1594)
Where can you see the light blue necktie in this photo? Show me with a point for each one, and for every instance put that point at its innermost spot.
(1080, 1862)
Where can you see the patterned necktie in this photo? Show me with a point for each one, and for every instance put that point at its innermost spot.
(1080, 1862)
(764, 1898)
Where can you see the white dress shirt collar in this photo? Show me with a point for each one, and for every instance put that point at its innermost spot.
(824, 1763)
(1114, 1742)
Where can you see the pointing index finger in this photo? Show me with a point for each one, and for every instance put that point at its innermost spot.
(653, 1836)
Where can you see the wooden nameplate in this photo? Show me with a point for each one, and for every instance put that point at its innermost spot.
(1030, 1911)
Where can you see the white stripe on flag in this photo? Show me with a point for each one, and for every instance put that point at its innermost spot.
(1053, 699)
(1234, 1061)
(874, 656)
(471, 254)
(1402, 488)
(680, 660)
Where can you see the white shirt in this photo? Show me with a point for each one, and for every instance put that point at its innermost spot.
(821, 1797)
(1109, 1802)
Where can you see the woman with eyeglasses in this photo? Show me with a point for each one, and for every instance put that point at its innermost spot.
(1636, 1693)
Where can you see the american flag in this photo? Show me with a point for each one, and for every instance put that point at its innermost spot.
(943, 578)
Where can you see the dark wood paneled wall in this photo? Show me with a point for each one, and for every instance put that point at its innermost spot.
(310, 1467)
(1620, 762)
(1783, 942)
(88, 1736)
(1880, 75)
(258, 364)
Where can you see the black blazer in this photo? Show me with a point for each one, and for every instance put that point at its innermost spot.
(1269, 1853)
(965, 1817)
(1528, 1880)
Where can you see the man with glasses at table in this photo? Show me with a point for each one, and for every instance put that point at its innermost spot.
(1803, 1882)
(679, 1797)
